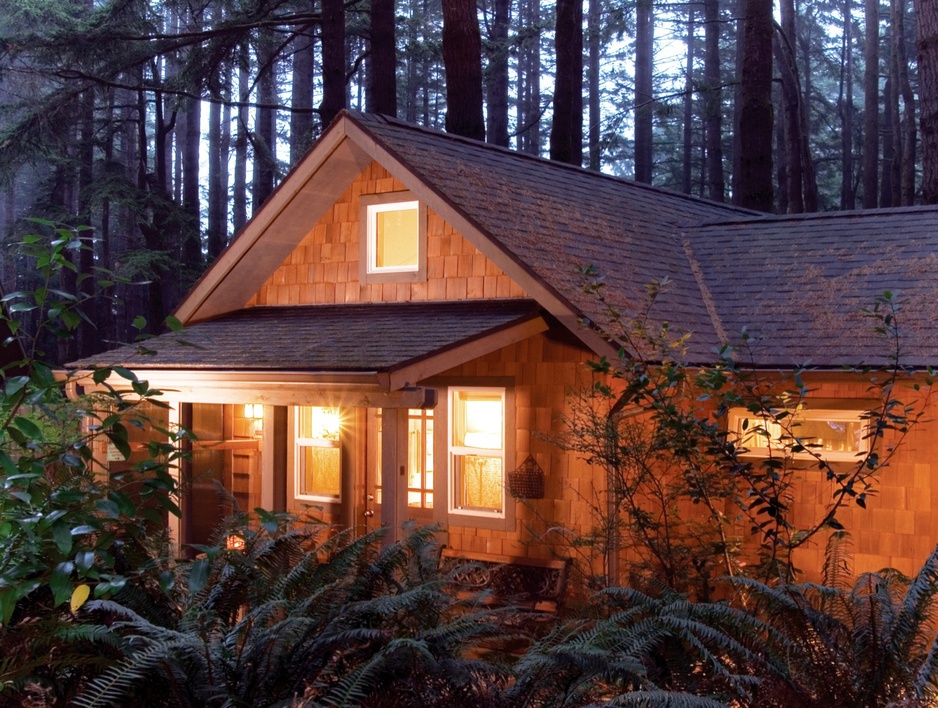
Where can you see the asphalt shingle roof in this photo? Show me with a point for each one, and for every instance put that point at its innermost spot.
(801, 283)
(348, 338)
(556, 218)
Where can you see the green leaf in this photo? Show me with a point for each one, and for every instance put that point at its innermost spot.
(7, 604)
(140, 322)
(29, 428)
(15, 384)
(118, 436)
(198, 575)
(174, 324)
(84, 560)
(61, 582)
(63, 537)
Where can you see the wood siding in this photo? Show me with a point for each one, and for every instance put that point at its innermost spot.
(324, 268)
(898, 529)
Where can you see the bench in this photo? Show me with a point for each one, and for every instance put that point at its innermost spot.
(530, 583)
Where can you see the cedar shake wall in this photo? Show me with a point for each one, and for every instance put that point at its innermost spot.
(324, 268)
(898, 529)
(544, 369)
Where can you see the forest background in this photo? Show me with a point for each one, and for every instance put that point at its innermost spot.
(165, 125)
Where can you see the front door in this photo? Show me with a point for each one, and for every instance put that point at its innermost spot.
(417, 480)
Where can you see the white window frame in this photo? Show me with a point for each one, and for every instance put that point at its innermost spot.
(372, 211)
(794, 418)
(370, 206)
(455, 450)
(299, 443)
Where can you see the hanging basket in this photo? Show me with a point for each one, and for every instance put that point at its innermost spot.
(527, 482)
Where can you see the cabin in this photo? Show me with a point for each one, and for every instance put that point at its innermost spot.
(396, 335)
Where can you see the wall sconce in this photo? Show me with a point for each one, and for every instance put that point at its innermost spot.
(254, 412)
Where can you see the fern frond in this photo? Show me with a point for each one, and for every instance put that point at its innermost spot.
(115, 684)
(662, 699)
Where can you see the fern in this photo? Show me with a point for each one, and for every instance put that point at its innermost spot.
(112, 687)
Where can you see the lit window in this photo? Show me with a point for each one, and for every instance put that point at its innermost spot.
(393, 238)
(477, 451)
(835, 435)
(318, 458)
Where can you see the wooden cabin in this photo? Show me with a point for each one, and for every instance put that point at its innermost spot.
(399, 328)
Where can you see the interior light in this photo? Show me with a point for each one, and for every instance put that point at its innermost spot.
(327, 422)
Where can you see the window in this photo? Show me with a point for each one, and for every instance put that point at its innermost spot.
(477, 451)
(318, 455)
(393, 238)
(836, 435)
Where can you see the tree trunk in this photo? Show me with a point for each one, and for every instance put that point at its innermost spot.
(191, 250)
(688, 147)
(334, 64)
(909, 129)
(86, 339)
(791, 100)
(809, 173)
(568, 83)
(926, 41)
(892, 135)
(738, 102)
(265, 123)
(239, 193)
(382, 67)
(497, 89)
(644, 106)
(301, 102)
(594, 28)
(755, 120)
(782, 154)
(848, 195)
(529, 123)
(462, 56)
(217, 183)
(871, 106)
(713, 101)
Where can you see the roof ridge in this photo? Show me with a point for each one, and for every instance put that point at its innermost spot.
(819, 215)
(390, 120)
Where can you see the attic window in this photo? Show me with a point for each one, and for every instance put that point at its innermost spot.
(393, 238)
(835, 435)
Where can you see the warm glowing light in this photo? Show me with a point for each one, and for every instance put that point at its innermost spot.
(234, 543)
(320, 423)
(254, 411)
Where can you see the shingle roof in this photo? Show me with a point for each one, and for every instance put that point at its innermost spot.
(556, 218)
(801, 283)
(346, 338)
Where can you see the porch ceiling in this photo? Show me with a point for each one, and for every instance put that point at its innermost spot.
(383, 339)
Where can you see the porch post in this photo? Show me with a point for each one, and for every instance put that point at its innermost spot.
(393, 471)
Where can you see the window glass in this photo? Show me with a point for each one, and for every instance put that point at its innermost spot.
(393, 237)
(318, 458)
(833, 434)
(477, 451)
(419, 459)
